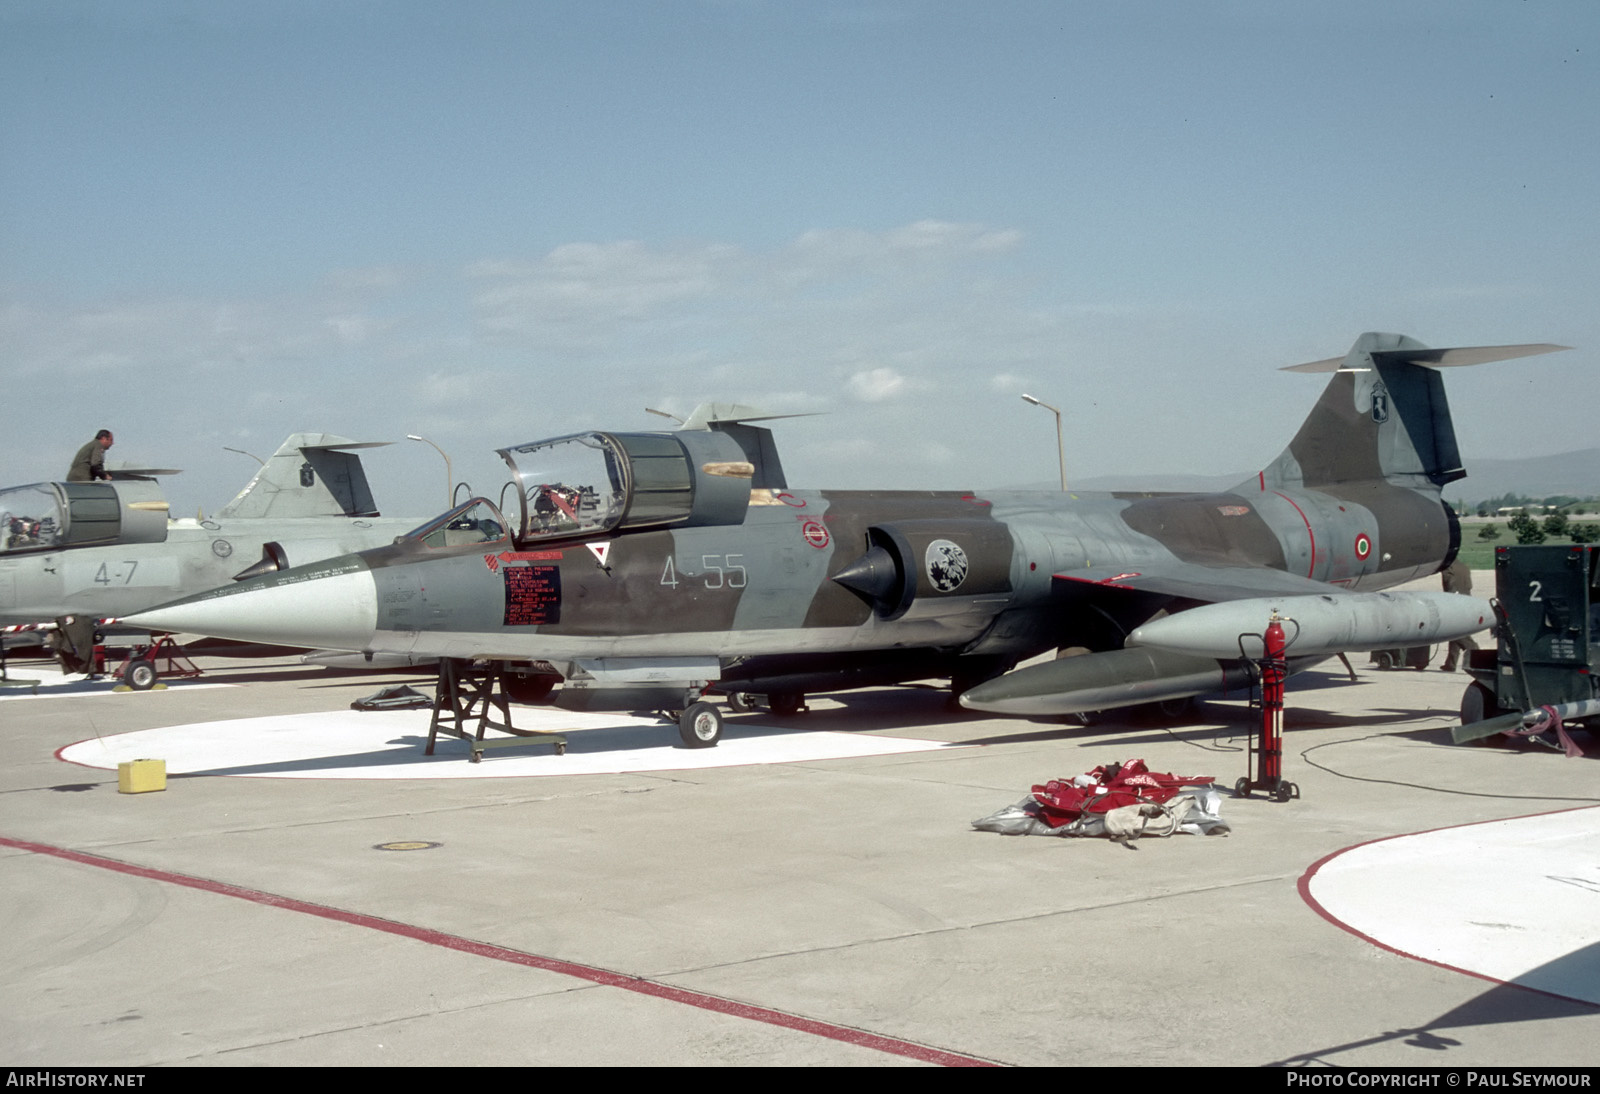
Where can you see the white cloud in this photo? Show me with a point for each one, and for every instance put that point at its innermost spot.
(352, 330)
(511, 348)
(590, 283)
(876, 385)
(839, 251)
(465, 386)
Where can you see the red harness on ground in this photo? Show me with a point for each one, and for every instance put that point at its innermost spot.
(1062, 801)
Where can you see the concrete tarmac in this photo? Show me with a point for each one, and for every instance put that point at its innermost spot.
(815, 911)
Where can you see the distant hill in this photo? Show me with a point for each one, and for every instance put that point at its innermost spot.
(1188, 484)
(1576, 473)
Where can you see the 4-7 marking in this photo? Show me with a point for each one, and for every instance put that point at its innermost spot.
(104, 577)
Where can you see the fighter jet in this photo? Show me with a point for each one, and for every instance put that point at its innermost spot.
(79, 552)
(660, 569)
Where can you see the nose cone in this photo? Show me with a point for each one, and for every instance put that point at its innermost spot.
(328, 605)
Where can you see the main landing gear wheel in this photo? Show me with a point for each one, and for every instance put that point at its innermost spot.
(700, 726)
(786, 704)
(1166, 712)
(140, 675)
(529, 688)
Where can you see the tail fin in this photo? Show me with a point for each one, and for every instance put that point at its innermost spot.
(1383, 416)
(310, 475)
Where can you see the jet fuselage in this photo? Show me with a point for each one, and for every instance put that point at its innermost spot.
(970, 574)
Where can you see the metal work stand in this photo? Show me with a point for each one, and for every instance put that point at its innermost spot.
(470, 692)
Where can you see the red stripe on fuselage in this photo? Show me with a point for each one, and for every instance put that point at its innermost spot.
(1311, 535)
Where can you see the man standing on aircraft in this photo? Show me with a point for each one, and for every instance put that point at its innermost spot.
(89, 463)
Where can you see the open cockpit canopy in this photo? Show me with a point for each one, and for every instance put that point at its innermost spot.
(49, 516)
(593, 484)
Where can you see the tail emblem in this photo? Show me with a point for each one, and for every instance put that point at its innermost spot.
(1380, 403)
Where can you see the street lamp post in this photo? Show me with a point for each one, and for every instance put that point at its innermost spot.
(1061, 452)
(449, 475)
(242, 452)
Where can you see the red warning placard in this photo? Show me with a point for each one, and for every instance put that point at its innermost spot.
(533, 595)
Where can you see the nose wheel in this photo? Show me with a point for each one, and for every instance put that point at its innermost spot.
(140, 675)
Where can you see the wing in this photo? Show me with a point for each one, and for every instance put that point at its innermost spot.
(1205, 647)
(1192, 581)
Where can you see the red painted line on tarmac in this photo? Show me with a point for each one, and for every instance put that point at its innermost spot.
(604, 977)
(1304, 885)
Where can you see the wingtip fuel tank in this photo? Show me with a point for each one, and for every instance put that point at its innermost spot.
(1324, 623)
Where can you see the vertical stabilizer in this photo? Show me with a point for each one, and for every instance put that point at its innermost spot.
(756, 441)
(310, 475)
(1383, 416)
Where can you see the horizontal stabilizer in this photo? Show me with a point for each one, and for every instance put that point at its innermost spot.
(347, 446)
(1437, 358)
(706, 415)
(126, 470)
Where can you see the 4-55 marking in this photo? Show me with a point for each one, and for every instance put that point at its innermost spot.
(719, 572)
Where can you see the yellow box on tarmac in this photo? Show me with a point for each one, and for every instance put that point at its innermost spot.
(141, 776)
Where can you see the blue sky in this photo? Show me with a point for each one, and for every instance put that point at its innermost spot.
(491, 222)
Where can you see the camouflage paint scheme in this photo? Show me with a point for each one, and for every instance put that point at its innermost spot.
(754, 587)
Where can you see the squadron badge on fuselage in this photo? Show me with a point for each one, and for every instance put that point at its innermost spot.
(946, 564)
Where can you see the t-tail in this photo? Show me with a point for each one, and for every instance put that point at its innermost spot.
(1351, 508)
(1383, 417)
(310, 475)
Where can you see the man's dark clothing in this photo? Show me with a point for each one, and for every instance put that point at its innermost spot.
(88, 464)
